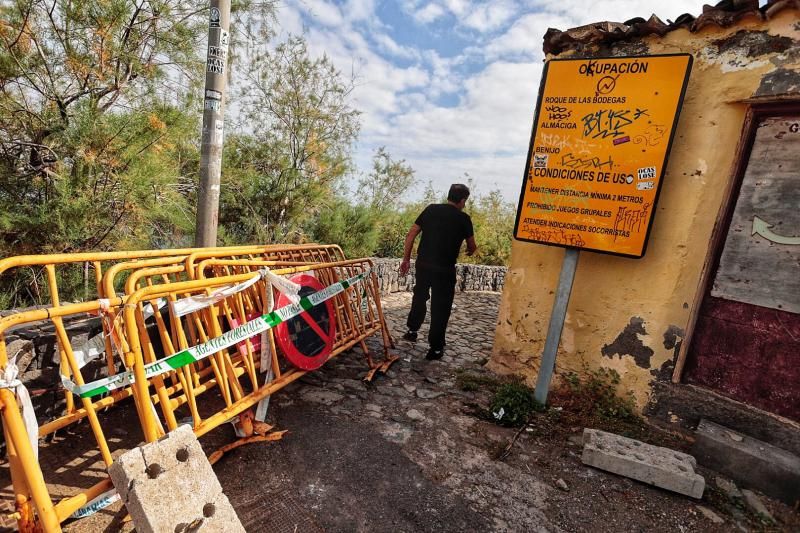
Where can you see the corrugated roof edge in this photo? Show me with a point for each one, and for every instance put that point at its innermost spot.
(726, 13)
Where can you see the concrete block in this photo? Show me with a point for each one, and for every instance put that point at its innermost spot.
(750, 462)
(169, 486)
(631, 458)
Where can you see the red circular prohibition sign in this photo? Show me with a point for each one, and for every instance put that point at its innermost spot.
(307, 339)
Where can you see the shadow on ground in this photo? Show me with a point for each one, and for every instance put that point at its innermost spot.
(344, 477)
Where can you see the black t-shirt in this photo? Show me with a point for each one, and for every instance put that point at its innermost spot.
(444, 229)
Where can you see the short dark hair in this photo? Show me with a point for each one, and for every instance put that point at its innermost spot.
(457, 192)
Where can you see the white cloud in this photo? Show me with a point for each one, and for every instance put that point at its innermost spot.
(489, 17)
(525, 36)
(378, 81)
(486, 135)
(391, 47)
(614, 10)
(496, 105)
(356, 10)
(493, 172)
(458, 7)
(429, 13)
(444, 78)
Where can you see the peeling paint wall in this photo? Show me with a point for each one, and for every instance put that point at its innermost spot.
(629, 314)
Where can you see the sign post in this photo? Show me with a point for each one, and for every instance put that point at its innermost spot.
(601, 137)
(557, 316)
(213, 124)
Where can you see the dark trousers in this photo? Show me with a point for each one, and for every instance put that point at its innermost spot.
(440, 287)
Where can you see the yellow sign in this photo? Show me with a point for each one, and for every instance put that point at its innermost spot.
(601, 136)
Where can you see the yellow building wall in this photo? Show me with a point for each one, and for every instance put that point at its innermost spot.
(638, 308)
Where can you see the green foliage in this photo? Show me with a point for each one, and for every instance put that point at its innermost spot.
(493, 221)
(100, 114)
(382, 188)
(89, 151)
(278, 179)
(393, 226)
(353, 227)
(598, 391)
(512, 404)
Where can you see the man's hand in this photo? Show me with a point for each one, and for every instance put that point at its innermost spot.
(471, 246)
(407, 246)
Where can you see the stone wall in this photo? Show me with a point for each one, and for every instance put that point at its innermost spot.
(468, 277)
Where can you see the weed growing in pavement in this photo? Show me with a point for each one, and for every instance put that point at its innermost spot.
(593, 400)
(598, 391)
(513, 404)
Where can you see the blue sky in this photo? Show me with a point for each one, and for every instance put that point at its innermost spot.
(450, 85)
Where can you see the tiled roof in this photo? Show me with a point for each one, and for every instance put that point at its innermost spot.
(724, 14)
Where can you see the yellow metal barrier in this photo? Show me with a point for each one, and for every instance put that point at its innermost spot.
(26, 474)
(352, 316)
(50, 262)
(131, 260)
(226, 368)
(304, 254)
(153, 276)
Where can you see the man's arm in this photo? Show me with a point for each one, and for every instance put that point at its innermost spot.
(409, 244)
(471, 246)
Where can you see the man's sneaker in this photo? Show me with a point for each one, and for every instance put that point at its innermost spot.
(433, 355)
(410, 336)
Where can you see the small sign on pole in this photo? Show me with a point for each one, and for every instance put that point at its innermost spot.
(601, 136)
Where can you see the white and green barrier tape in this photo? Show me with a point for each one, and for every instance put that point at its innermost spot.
(97, 504)
(229, 338)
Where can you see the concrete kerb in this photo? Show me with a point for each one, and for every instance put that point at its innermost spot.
(750, 462)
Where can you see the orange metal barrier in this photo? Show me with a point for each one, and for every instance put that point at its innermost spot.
(234, 371)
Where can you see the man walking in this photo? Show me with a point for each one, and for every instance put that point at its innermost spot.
(444, 227)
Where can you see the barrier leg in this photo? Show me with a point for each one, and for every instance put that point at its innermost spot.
(24, 466)
(66, 348)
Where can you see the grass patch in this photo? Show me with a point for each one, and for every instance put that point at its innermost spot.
(593, 400)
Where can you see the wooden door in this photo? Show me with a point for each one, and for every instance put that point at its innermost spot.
(746, 343)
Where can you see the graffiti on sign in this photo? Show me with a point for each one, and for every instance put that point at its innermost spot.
(601, 137)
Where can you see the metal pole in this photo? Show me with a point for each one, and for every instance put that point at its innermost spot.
(213, 124)
(557, 316)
